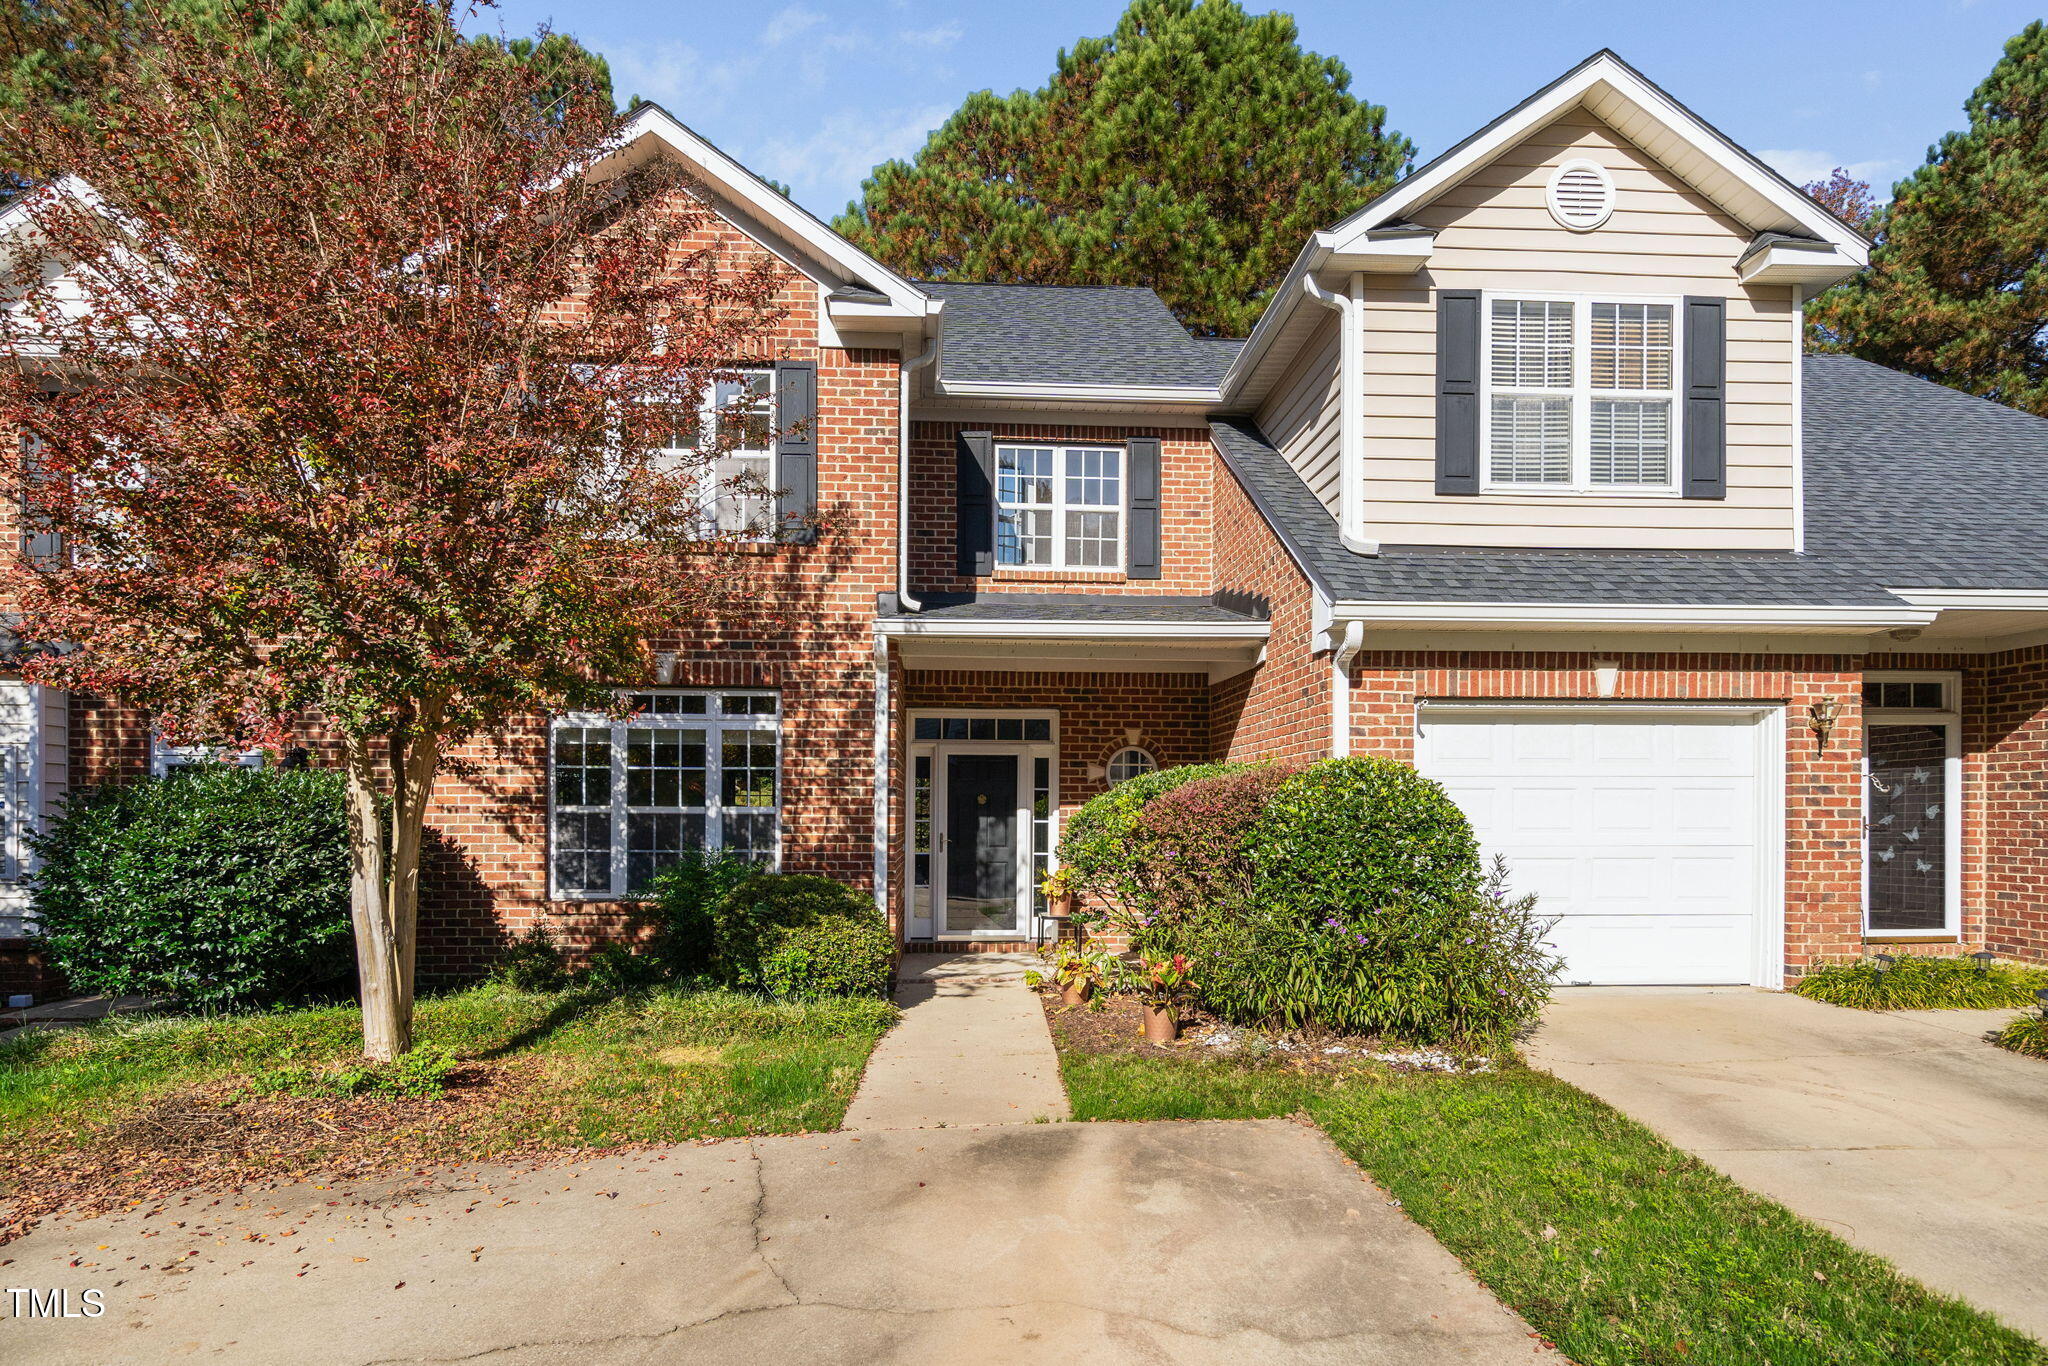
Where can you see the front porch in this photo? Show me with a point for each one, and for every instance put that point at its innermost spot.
(1008, 714)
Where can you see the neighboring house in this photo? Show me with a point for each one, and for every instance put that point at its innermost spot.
(1740, 657)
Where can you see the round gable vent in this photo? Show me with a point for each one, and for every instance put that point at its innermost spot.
(1581, 195)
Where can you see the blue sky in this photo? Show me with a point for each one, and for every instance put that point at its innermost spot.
(815, 92)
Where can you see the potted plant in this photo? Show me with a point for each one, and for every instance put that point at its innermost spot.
(1081, 973)
(1059, 895)
(1163, 986)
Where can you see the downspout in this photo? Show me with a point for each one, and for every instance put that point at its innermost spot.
(1350, 311)
(908, 368)
(906, 603)
(1346, 650)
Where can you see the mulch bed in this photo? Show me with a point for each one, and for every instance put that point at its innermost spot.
(1115, 1024)
(219, 1137)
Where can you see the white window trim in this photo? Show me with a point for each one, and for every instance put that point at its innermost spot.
(163, 758)
(1581, 395)
(713, 810)
(708, 411)
(1030, 924)
(1059, 506)
(1950, 718)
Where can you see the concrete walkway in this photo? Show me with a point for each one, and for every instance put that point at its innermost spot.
(972, 1048)
(1904, 1133)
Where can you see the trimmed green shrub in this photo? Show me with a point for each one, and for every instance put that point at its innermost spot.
(1346, 836)
(532, 962)
(1922, 982)
(1098, 853)
(222, 886)
(686, 897)
(1458, 967)
(2028, 1034)
(840, 956)
(773, 915)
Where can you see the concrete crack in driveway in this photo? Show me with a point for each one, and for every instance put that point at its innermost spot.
(760, 1209)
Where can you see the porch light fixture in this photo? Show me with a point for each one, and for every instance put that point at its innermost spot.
(1820, 719)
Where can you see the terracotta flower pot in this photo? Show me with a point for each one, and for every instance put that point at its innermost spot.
(1060, 907)
(1077, 993)
(1160, 1026)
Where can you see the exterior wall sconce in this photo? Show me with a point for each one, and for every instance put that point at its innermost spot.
(1606, 677)
(665, 667)
(1820, 719)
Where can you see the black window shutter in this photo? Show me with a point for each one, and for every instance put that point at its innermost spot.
(796, 447)
(1457, 391)
(41, 544)
(1706, 405)
(974, 504)
(1143, 549)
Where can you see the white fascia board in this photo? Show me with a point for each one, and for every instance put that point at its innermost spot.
(1156, 631)
(1603, 70)
(651, 120)
(1195, 396)
(1401, 254)
(1801, 266)
(1976, 599)
(1731, 617)
(1312, 258)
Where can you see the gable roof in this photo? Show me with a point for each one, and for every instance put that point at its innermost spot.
(856, 275)
(1001, 339)
(1379, 235)
(1908, 485)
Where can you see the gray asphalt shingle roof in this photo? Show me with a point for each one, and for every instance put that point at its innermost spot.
(1107, 608)
(1069, 334)
(1908, 485)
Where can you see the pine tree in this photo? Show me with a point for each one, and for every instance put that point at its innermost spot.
(1192, 150)
(1957, 289)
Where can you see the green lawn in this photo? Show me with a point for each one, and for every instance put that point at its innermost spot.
(134, 1109)
(1617, 1247)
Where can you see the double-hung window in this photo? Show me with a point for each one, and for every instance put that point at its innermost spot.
(1060, 507)
(1581, 395)
(688, 770)
(736, 417)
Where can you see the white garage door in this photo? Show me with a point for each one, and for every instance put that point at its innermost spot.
(1641, 831)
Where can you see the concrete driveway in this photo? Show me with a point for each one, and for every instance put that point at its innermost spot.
(1904, 1133)
(1223, 1242)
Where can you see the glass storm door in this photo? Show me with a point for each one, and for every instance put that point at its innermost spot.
(979, 842)
(1910, 809)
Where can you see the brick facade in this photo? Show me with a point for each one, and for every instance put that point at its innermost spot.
(1281, 709)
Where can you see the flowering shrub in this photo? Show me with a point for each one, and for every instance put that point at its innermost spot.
(1466, 967)
(1098, 851)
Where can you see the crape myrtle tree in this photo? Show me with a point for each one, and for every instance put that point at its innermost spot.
(1957, 287)
(1192, 150)
(360, 409)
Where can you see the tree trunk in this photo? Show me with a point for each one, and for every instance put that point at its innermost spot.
(384, 878)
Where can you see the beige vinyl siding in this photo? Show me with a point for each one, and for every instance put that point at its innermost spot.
(1301, 417)
(1495, 233)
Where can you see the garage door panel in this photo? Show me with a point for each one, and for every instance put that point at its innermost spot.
(1639, 834)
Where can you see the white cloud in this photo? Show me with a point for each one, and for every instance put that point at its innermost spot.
(833, 160)
(792, 22)
(677, 77)
(1803, 167)
(937, 36)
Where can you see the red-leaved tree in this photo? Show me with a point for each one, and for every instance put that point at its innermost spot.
(354, 400)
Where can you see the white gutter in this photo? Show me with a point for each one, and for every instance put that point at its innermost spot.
(903, 382)
(1180, 395)
(1340, 688)
(1976, 599)
(1077, 630)
(1648, 616)
(1798, 420)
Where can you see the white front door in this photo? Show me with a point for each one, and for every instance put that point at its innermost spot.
(1642, 832)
